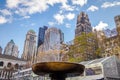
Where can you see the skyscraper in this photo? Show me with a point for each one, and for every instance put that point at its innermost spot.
(53, 38)
(29, 46)
(52, 44)
(0, 50)
(41, 35)
(83, 24)
(11, 49)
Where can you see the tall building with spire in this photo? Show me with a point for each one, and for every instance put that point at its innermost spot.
(11, 49)
(29, 52)
(83, 24)
(41, 35)
(86, 43)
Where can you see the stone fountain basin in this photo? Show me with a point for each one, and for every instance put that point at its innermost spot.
(61, 68)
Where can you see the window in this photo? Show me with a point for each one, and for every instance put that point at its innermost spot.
(31, 38)
(90, 71)
(82, 29)
(93, 71)
(9, 64)
(1, 63)
(16, 66)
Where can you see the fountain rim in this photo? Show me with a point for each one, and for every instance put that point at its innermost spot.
(70, 66)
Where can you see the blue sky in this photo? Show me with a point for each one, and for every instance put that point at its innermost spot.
(19, 16)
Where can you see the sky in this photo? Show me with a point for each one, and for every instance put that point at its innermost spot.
(17, 17)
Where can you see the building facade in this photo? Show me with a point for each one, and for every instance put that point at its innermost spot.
(29, 52)
(9, 65)
(83, 24)
(41, 35)
(117, 22)
(52, 44)
(11, 49)
(0, 50)
(112, 44)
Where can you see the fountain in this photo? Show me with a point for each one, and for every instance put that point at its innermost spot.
(58, 70)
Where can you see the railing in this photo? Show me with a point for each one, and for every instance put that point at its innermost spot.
(5, 74)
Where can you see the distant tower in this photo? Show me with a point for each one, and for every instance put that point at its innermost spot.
(117, 22)
(83, 24)
(29, 46)
(41, 35)
(11, 49)
(0, 50)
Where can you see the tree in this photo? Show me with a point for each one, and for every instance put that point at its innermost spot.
(84, 48)
(98, 52)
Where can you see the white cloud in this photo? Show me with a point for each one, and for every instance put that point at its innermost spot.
(101, 26)
(59, 18)
(110, 4)
(68, 25)
(67, 7)
(25, 7)
(28, 6)
(79, 2)
(3, 20)
(35, 6)
(52, 2)
(22, 11)
(61, 11)
(92, 8)
(26, 17)
(6, 16)
(70, 16)
(51, 23)
(6, 12)
(12, 3)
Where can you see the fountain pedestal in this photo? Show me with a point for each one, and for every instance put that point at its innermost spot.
(57, 77)
(58, 70)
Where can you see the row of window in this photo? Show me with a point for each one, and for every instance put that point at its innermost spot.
(9, 64)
